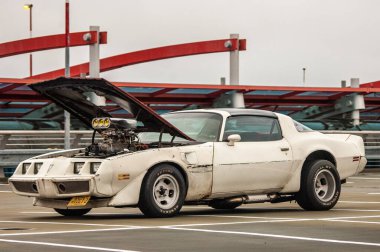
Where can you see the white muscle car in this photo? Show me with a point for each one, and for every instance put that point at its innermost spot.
(218, 157)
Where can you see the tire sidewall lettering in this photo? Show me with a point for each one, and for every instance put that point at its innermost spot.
(175, 208)
(148, 201)
(307, 197)
(335, 198)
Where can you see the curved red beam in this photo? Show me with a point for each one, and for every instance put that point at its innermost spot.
(375, 84)
(49, 42)
(159, 53)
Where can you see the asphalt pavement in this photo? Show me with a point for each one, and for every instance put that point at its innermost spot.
(353, 225)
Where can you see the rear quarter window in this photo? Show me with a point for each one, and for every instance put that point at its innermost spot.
(300, 127)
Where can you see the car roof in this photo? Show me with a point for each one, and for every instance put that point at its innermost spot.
(243, 111)
(235, 111)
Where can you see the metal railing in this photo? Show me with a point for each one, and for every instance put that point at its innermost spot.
(18, 145)
(46, 139)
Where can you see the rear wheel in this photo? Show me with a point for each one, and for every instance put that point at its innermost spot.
(163, 192)
(72, 212)
(320, 186)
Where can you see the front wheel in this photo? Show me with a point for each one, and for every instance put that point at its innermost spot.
(163, 192)
(320, 186)
(72, 212)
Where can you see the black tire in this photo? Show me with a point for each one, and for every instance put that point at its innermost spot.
(163, 192)
(320, 186)
(72, 212)
(223, 205)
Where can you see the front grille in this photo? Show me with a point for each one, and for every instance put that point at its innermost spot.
(69, 187)
(26, 187)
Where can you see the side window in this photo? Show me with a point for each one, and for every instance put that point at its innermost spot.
(253, 128)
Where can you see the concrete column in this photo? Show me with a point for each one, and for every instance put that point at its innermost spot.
(355, 82)
(67, 129)
(237, 98)
(358, 103)
(234, 63)
(222, 81)
(95, 68)
(94, 55)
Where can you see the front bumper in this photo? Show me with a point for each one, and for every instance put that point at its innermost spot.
(54, 187)
(63, 203)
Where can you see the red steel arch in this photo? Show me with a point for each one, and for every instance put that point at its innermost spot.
(159, 53)
(76, 39)
(49, 42)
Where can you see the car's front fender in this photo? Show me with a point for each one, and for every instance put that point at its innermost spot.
(129, 195)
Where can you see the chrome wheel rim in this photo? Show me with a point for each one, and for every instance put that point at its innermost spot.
(325, 185)
(166, 191)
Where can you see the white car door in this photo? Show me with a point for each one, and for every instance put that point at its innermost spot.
(261, 162)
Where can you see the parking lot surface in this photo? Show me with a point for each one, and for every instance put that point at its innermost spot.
(353, 225)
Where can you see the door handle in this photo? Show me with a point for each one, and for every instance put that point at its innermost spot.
(284, 148)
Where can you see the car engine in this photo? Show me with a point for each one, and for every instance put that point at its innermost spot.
(118, 136)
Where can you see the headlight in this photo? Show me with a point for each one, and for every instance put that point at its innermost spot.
(101, 123)
(95, 123)
(37, 167)
(25, 167)
(107, 122)
(78, 167)
(94, 167)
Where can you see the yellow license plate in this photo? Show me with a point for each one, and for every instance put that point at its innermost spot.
(79, 201)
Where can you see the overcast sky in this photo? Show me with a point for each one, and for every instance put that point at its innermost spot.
(333, 39)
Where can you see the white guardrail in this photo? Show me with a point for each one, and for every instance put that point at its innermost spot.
(42, 139)
(18, 145)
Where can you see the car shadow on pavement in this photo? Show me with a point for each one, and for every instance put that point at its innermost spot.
(183, 213)
(240, 211)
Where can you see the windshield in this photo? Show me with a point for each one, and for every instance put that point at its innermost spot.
(200, 126)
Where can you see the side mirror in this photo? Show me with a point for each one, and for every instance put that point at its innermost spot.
(232, 139)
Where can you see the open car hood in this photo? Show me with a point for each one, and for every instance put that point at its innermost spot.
(70, 93)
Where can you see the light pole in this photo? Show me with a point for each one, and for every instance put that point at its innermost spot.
(30, 8)
(67, 38)
(67, 70)
(304, 76)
